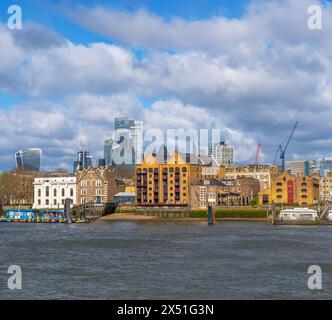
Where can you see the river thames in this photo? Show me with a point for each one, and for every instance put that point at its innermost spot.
(154, 260)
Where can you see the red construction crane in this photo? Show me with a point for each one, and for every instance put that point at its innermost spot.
(257, 154)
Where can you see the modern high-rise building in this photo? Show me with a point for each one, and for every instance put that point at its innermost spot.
(108, 146)
(126, 145)
(298, 166)
(322, 166)
(99, 163)
(83, 159)
(137, 136)
(28, 159)
(123, 123)
(223, 154)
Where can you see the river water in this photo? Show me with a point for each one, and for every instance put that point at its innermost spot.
(153, 260)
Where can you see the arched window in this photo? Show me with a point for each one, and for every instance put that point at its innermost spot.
(71, 192)
(47, 193)
(54, 192)
(63, 192)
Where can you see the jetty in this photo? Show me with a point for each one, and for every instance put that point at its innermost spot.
(78, 214)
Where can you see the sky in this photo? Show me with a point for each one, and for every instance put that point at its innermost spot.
(249, 67)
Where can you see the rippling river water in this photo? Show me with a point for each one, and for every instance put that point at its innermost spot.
(153, 260)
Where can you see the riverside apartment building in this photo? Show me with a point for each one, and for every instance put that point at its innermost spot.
(161, 183)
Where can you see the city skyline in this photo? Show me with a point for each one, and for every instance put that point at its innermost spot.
(73, 76)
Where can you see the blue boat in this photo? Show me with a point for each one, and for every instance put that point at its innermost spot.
(33, 216)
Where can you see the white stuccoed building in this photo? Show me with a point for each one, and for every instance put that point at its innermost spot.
(50, 193)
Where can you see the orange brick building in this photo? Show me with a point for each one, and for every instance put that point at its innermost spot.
(289, 189)
(166, 183)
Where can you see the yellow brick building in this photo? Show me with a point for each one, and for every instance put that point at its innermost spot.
(165, 184)
(288, 189)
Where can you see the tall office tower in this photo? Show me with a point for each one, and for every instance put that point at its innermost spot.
(223, 154)
(210, 152)
(83, 159)
(127, 142)
(299, 166)
(137, 136)
(108, 146)
(123, 123)
(322, 166)
(28, 159)
(99, 163)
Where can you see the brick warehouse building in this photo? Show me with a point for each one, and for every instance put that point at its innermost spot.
(97, 185)
(289, 189)
(226, 192)
(166, 183)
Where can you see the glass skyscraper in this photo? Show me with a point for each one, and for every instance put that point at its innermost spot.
(28, 159)
(83, 159)
(128, 135)
(108, 146)
(123, 123)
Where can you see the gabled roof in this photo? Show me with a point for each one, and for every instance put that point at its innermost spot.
(98, 171)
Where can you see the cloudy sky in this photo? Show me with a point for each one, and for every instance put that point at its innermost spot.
(250, 68)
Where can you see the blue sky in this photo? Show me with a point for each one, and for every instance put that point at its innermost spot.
(250, 68)
(48, 13)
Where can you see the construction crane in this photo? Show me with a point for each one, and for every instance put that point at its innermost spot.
(257, 154)
(282, 150)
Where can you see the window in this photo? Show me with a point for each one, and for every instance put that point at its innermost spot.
(47, 193)
(54, 192)
(47, 202)
(63, 201)
(39, 193)
(39, 202)
(71, 192)
(54, 202)
(83, 192)
(63, 192)
(83, 183)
